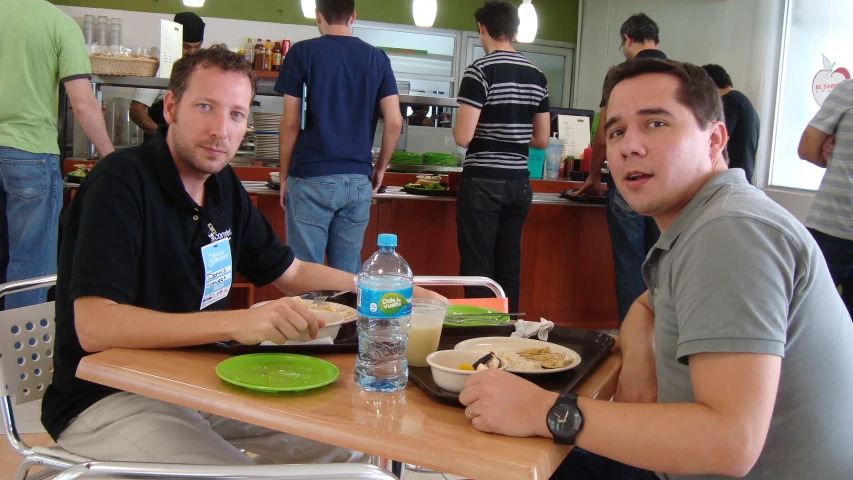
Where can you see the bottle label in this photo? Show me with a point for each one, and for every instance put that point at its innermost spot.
(385, 303)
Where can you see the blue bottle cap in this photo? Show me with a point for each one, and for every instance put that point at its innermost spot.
(387, 240)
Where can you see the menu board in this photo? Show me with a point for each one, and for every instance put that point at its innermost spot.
(574, 132)
(171, 46)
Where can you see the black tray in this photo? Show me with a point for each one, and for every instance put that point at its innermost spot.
(581, 199)
(591, 345)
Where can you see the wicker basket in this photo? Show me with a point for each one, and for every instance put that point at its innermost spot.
(134, 67)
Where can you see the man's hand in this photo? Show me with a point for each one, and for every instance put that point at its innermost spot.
(277, 321)
(826, 149)
(638, 382)
(282, 189)
(378, 175)
(503, 403)
(590, 188)
(420, 292)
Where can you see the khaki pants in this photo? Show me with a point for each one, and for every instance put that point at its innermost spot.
(133, 428)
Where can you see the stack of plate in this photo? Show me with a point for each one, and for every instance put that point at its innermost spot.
(266, 134)
(406, 158)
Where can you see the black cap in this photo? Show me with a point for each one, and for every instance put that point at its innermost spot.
(193, 26)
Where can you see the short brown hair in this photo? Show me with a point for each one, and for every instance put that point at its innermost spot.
(336, 12)
(696, 92)
(218, 56)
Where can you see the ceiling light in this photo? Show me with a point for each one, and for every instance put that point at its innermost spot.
(424, 12)
(308, 8)
(529, 22)
(194, 3)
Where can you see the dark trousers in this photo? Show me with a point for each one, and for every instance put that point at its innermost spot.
(838, 253)
(490, 216)
(631, 236)
(583, 465)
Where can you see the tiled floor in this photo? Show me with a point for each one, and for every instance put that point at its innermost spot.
(29, 426)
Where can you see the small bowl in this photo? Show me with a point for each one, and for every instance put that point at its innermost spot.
(275, 178)
(445, 372)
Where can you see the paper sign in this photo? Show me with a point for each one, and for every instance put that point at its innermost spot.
(574, 132)
(171, 46)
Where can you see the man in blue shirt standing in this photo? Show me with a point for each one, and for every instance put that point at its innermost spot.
(327, 176)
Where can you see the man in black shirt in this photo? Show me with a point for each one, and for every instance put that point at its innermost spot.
(631, 234)
(503, 109)
(150, 244)
(742, 122)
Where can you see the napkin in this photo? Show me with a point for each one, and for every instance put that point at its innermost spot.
(525, 329)
(318, 341)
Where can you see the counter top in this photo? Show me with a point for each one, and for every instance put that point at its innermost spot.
(397, 193)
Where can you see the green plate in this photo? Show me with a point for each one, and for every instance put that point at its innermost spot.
(474, 322)
(277, 372)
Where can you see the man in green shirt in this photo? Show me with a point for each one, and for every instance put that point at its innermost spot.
(42, 46)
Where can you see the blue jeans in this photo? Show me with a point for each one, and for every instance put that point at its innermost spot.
(631, 236)
(583, 465)
(838, 253)
(328, 215)
(29, 220)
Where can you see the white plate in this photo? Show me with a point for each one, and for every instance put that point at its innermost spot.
(487, 343)
(330, 329)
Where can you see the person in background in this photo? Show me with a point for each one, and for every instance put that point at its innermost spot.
(503, 110)
(327, 176)
(631, 234)
(149, 245)
(742, 122)
(420, 116)
(42, 48)
(828, 143)
(146, 108)
(724, 354)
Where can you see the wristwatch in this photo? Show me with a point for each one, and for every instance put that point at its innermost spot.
(565, 419)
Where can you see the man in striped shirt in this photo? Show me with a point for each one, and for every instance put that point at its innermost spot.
(503, 109)
(828, 143)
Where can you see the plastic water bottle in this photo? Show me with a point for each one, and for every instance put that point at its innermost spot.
(384, 312)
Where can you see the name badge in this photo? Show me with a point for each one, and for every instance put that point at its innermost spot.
(217, 272)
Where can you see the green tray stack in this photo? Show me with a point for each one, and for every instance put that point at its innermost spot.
(434, 159)
(406, 158)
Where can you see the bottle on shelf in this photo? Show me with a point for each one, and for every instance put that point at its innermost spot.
(268, 55)
(259, 55)
(384, 315)
(249, 52)
(276, 56)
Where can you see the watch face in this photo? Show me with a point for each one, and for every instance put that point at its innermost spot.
(564, 421)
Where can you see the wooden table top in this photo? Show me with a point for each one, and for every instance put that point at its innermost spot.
(406, 426)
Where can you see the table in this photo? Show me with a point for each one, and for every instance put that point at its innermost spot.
(406, 426)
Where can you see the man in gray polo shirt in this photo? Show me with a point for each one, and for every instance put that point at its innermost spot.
(736, 362)
(828, 143)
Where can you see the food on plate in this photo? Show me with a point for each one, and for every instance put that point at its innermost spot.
(533, 358)
(431, 186)
(82, 170)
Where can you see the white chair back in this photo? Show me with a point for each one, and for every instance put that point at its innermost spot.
(26, 351)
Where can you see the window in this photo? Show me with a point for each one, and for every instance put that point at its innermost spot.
(817, 44)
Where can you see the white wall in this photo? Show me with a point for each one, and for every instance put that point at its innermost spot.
(744, 36)
(143, 28)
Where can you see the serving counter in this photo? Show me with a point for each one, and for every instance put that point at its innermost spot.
(566, 261)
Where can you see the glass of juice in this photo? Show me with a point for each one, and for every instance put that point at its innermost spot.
(427, 319)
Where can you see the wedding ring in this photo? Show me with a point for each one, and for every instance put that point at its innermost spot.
(468, 410)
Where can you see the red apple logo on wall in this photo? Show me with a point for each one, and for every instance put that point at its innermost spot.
(827, 79)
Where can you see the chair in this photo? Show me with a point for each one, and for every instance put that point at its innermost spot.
(26, 369)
